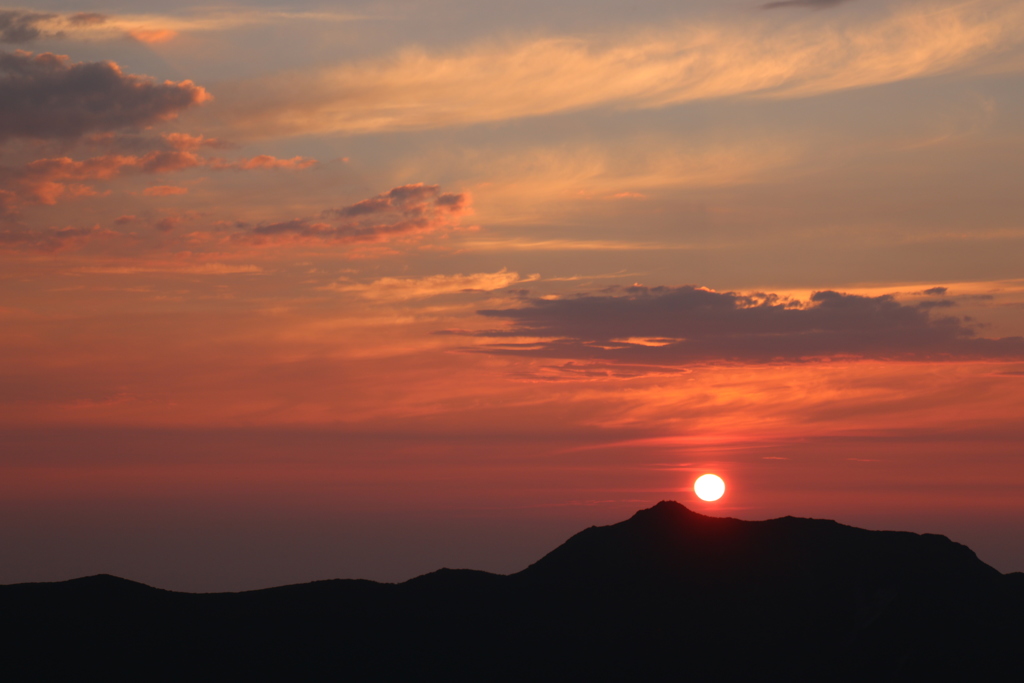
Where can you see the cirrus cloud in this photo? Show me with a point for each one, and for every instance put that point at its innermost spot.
(416, 89)
(405, 289)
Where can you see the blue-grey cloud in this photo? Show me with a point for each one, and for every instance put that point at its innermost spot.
(679, 325)
(48, 96)
(20, 26)
(25, 26)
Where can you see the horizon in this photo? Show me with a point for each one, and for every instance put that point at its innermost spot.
(308, 291)
(546, 556)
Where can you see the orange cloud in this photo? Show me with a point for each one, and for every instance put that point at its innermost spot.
(416, 89)
(44, 181)
(152, 36)
(404, 289)
(268, 162)
(186, 142)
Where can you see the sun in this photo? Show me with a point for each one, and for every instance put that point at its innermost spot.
(709, 487)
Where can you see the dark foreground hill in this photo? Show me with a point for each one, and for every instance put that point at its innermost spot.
(666, 595)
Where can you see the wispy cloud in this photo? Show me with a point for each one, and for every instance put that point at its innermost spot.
(405, 213)
(416, 89)
(405, 289)
(520, 244)
(24, 26)
(181, 268)
(45, 181)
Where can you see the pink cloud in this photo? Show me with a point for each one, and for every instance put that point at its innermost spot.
(152, 36)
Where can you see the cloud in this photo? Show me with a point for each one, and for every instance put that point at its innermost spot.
(596, 372)
(189, 143)
(153, 35)
(19, 26)
(48, 96)
(404, 289)
(182, 268)
(164, 190)
(157, 28)
(88, 19)
(24, 26)
(45, 181)
(167, 224)
(559, 177)
(812, 4)
(417, 89)
(265, 161)
(681, 325)
(403, 213)
(49, 239)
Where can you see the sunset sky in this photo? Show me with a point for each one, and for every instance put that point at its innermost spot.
(362, 289)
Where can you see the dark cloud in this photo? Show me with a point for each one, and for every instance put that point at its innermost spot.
(48, 96)
(48, 239)
(405, 212)
(18, 26)
(936, 291)
(813, 4)
(87, 19)
(678, 325)
(25, 26)
(167, 224)
(941, 303)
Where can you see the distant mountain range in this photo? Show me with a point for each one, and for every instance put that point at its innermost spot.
(667, 595)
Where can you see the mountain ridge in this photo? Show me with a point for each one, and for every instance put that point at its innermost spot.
(815, 599)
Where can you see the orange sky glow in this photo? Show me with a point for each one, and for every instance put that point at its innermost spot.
(304, 294)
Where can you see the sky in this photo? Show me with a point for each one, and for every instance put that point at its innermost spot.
(319, 290)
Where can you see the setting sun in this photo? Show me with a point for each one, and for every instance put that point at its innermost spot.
(709, 487)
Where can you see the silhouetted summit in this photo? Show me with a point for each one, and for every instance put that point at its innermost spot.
(664, 595)
(675, 543)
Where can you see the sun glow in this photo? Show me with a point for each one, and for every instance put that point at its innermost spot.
(709, 487)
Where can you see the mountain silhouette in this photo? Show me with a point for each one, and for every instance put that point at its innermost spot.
(668, 594)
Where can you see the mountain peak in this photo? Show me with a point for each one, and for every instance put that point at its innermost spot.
(668, 506)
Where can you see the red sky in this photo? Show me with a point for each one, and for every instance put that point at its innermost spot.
(292, 295)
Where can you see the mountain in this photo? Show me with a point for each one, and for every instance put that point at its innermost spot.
(668, 594)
